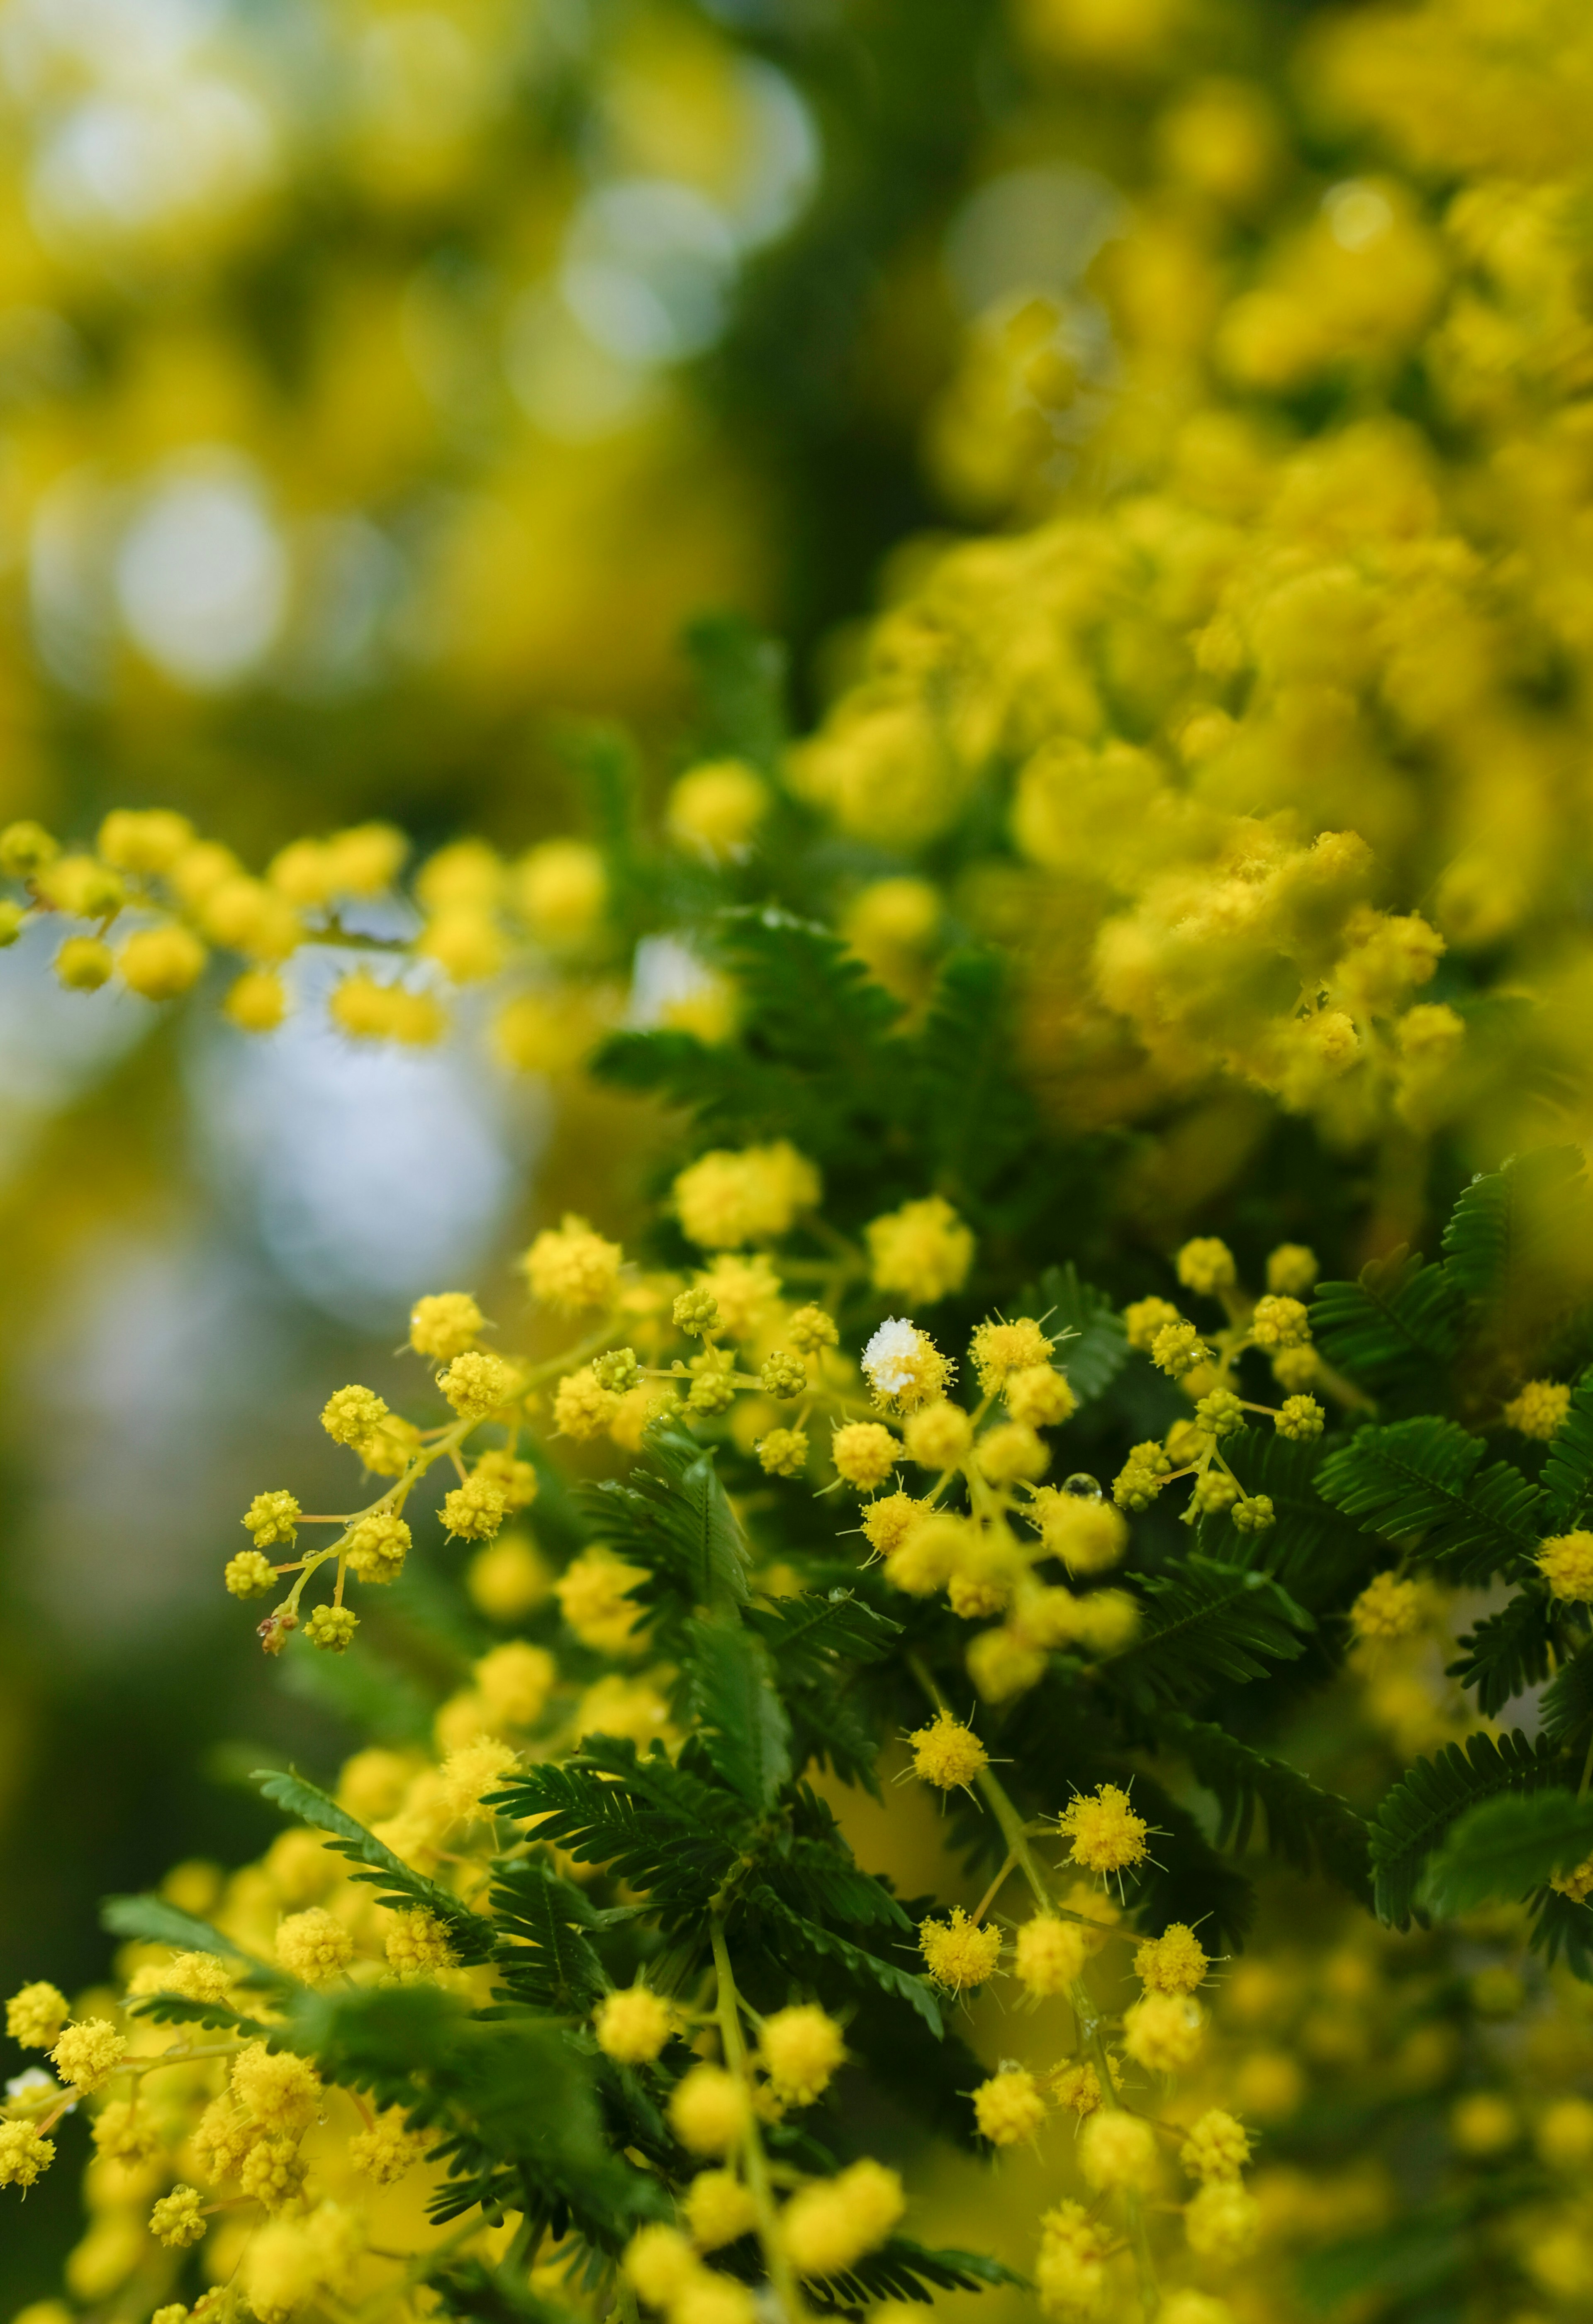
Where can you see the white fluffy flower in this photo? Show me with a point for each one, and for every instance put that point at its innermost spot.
(893, 1358)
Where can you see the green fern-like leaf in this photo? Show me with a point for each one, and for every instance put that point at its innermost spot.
(154, 1922)
(1565, 1707)
(741, 676)
(1421, 1477)
(1506, 1224)
(491, 2295)
(1307, 1827)
(543, 1951)
(795, 1934)
(1562, 1930)
(1093, 1346)
(730, 1685)
(177, 2009)
(1394, 1331)
(812, 1637)
(660, 1827)
(903, 2270)
(673, 1520)
(1567, 1472)
(469, 1935)
(1317, 1553)
(1211, 1623)
(1507, 1652)
(1417, 1811)
(978, 1118)
(1503, 1847)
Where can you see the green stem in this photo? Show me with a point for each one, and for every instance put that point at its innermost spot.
(1138, 2236)
(728, 2013)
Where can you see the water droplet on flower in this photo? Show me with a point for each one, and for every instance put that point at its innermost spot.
(1081, 1485)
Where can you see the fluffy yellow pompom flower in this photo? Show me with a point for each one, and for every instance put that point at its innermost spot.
(1388, 1609)
(352, 1413)
(476, 1383)
(827, 2226)
(387, 2151)
(378, 1546)
(508, 1580)
(1178, 1350)
(938, 1437)
(948, 1753)
(475, 1510)
(1070, 2273)
(1222, 2221)
(562, 891)
(708, 2110)
(718, 2208)
(1280, 1322)
(83, 964)
(891, 1520)
(1538, 1410)
(582, 1408)
(515, 1680)
(634, 2027)
(998, 1350)
(256, 1001)
(1011, 1451)
(571, 1267)
(1010, 2107)
(313, 1946)
(1174, 1963)
(959, 1953)
(864, 1453)
(783, 1453)
(1002, 1663)
(1118, 2150)
(89, 2054)
(143, 839)
(36, 2015)
(921, 1253)
(124, 2135)
(161, 963)
(1300, 1418)
(903, 1366)
(177, 2220)
(470, 1773)
(1142, 1318)
(803, 2048)
(592, 1594)
(727, 1199)
(744, 1292)
(716, 807)
(1088, 1534)
(1050, 1954)
(658, 2262)
(277, 2090)
(25, 2152)
(1206, 1266)
(1039, 1395)
(445, 1323)
(1218, 2146)
(1188, 2307)
(1564, 2136)
(1291, 1270)
(273, 1518)
(1107, 1835)
(332, 1628)
(1163, 2032)
(417, 1945)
